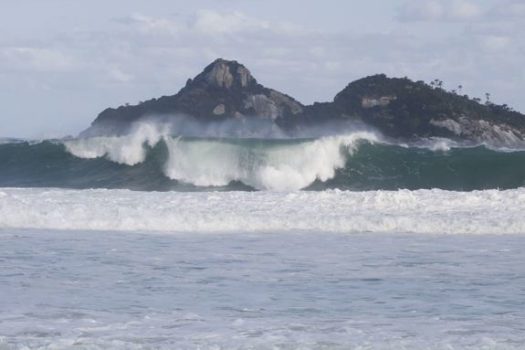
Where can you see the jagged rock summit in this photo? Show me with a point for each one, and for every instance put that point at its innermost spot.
(224, 89)
(398, 107)
(227, 74)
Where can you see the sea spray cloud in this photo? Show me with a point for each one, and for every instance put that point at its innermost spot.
(239, 127)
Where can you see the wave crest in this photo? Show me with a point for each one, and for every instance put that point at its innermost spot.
(127, 149)
(284, 164)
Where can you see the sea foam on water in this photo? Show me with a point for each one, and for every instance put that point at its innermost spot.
(403, 211)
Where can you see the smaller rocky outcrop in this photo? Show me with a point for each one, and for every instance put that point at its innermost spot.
(402, 108)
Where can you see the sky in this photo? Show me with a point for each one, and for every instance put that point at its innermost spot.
(62, 62)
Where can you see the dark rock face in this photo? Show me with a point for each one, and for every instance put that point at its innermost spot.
(224, 89)
(398, 107)
(403, 108)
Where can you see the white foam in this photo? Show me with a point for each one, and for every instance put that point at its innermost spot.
(267, 165)
(435, 144)
(282, 166)
(127, 149)
(422, 211)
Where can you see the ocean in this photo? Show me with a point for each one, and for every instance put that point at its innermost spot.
(346, 241)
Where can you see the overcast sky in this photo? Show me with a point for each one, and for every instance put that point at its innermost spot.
(63, 61)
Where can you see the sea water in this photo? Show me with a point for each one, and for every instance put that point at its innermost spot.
(99, 289)
(98, 269)
(250, 240)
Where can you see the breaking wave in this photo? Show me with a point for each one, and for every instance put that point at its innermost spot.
(153, 158)
(276, 164)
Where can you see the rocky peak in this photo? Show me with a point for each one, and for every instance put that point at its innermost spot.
(226, 74)
(224, 89)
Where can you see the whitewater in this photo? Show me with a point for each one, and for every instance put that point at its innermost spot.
(264, 164)
(232, 238)
(343, 212)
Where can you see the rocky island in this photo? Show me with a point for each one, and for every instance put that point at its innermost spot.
(397, 107)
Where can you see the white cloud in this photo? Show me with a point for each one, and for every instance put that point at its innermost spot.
(464, 10)
(151, 25)
(511, 9)
(439, 10)
(495, 43)
(35, 59)
(213, 22)
(118, 75)
(421, 11)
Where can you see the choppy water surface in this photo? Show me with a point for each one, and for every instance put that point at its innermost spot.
(89, 290)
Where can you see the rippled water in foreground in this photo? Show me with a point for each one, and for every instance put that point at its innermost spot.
(89, 290)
